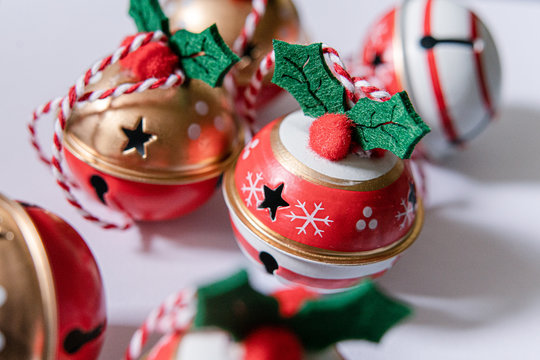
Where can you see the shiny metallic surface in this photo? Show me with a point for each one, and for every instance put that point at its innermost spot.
(237, 205)
(28, 318)
(193, 134)
(279, 22)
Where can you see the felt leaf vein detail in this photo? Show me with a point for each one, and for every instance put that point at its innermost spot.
(392, 125)
(203, 56)
(302, 70)
(305, 81)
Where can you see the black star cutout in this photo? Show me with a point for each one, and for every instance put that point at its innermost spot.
(137, 138)
(273, 200)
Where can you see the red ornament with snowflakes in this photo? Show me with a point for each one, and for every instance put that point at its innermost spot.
(324, 224)
(445, 57)
(52, 302)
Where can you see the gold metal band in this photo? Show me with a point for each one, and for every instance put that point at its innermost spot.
(208, 169)
(25, 247)
(310, 252)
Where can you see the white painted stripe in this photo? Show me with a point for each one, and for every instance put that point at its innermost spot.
(307, 267)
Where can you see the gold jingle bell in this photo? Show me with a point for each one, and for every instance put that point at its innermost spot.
(280, 21)
(153, 155)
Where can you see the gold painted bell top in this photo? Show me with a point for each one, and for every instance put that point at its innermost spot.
(28, 318)
(179, 135)
(280, 21)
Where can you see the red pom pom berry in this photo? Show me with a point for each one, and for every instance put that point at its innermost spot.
(272, 343)
(330, 136)
(151, 60)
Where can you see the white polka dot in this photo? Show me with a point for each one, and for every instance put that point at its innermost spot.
(201, 108)
(368, 211)
(2, 342)
(3, 295)
(360, 225)
(10, 236)
(194, 131)
(219, 123)
(373, 224)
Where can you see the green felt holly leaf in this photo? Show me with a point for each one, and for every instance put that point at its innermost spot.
(233, 305)
(392, 125)
(148, 16)
(302, 71)
(362, 313)
(204, 56)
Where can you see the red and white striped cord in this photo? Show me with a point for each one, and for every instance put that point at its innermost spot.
(76, 94)
(175, 314)
(355, 87)
(253, 89)
(258, 9)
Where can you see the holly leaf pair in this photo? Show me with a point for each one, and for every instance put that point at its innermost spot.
(392, 125)
(203, 56)
(362, 313)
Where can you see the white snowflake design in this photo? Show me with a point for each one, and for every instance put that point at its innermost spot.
(253, 188)
(250, 146)
(310, 219)
(407, 215)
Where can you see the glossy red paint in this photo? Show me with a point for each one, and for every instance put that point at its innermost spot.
(78, 286)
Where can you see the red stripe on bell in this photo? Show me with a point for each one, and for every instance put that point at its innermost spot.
(486, 98)
(447, 122)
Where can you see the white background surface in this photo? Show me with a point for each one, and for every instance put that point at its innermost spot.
(472, 276)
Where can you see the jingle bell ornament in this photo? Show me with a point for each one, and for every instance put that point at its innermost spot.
(251, 39)
(445, 57)
(153, 155)
(232, 321)
(52, 303)
(322, 223)
(154, 134)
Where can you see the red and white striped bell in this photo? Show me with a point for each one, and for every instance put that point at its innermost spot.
(446, 59)
(52, 303)
(320, 223)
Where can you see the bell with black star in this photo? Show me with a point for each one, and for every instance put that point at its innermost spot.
(52, 302)
(279, 21)
(324, 197)
(153, 155)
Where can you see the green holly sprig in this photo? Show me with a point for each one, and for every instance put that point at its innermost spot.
(361, 313)
(203, 56)
(392, 125)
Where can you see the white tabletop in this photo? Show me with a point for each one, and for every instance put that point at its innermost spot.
(472, 276)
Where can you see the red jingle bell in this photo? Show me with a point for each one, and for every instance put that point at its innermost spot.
(303, 203)
(52, 303)
(323, 224)
(446, 59)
